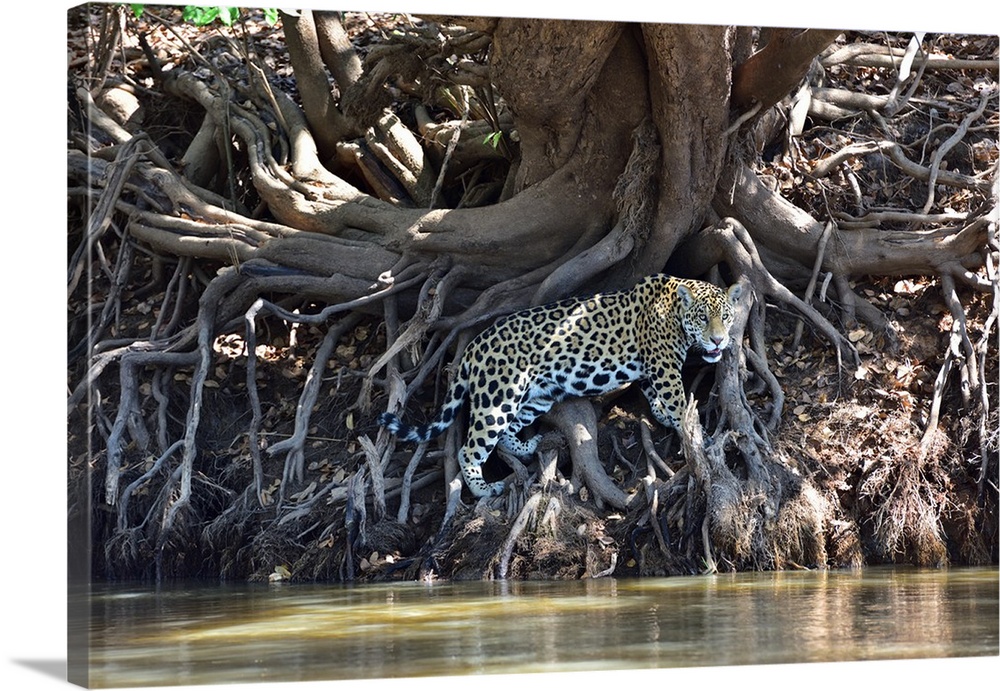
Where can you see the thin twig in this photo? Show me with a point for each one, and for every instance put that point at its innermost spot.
(654, 520)
(706, 540)
(177, 283)
(650, 449)
(817, 265)
(741, 119)
(452, 145)
(207, 309)
(905, 64)
(970, 367)
(959, 337)
(955, 138)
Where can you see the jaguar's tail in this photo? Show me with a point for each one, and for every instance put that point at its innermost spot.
(443, 420)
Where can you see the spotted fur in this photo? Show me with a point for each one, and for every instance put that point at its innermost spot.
(517, 369)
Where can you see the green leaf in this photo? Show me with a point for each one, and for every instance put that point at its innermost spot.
(200, 16)
(271, 16)
(229, 15)
(137, 9)
(203, 16)
(493, 139)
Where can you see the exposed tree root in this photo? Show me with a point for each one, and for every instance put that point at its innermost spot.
(391, 283)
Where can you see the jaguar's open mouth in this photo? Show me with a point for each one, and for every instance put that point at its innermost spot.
(712, 355)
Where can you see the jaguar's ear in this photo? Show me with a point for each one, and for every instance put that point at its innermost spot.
(734, 292)
(685, 294)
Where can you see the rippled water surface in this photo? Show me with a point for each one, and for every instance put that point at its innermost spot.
(207, 634)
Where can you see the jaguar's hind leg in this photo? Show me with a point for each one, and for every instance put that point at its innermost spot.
(470, 462)
(531, 410)
(486, 430)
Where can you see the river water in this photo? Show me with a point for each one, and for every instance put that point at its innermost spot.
(210, 634)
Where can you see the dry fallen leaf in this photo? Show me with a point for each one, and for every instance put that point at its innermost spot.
(304, 494)
(280, 573)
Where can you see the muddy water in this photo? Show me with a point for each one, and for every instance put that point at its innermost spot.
(213, 634)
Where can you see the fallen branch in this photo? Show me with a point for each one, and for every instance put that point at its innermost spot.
(934, 172)
(790, 232)
(869, 55)
(896, 155)
(770, 73)
(873, 219)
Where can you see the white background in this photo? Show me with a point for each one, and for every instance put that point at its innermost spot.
(33, 342)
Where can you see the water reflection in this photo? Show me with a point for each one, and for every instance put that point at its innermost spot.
(213, 634)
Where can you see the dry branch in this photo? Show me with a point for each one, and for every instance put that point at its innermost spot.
(934, 173)
(790, 232)
(870, 55)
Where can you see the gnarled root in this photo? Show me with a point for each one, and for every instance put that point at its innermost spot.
(577, 420)
(553, 535)
(758, 514)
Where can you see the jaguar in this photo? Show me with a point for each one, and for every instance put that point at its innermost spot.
(518, 368)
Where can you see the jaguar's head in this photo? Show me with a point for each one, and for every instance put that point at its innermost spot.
(707, 314)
